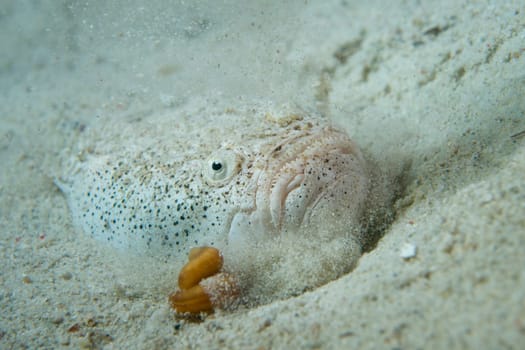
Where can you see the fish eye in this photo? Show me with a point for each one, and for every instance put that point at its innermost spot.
(221, 166)
(216, 165)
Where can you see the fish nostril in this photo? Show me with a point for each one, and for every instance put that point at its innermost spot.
(276, 150)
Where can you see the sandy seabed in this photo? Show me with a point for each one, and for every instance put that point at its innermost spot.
(437, 85)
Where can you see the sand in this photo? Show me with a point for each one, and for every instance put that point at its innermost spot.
(437, 86)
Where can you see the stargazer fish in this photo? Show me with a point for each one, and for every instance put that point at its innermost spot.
(233, 178)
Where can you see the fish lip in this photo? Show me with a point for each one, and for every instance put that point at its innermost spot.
(284, 176)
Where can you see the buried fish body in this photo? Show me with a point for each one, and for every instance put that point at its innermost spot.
(265, 186)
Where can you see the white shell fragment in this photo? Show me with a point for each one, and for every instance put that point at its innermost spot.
(408, 251)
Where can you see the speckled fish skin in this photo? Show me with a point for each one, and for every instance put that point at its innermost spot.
(161, 185)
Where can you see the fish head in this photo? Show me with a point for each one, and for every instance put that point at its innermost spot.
(300, 180)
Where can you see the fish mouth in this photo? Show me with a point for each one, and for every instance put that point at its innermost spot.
(302, 171)
(299, 174)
